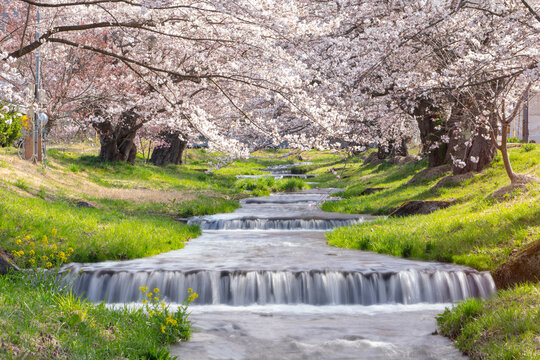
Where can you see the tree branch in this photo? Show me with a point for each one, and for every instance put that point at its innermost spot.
(174, 74)
(531, 10)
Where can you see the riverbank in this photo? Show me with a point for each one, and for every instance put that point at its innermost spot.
(480, 229)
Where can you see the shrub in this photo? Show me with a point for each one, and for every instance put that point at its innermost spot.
(10, 126)
(528, 147)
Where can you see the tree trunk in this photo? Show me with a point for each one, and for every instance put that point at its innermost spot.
(393, 149)
(504, 153)
(427, 117)
(472, 147)
(171, 151)
(118, 141)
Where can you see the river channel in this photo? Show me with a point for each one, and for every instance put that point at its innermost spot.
(271, 288)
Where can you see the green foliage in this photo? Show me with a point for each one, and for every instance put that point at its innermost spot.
(41, 253)
(11, 124)
(205, 206)
(513, 140)
(42, 193)
(462, 234)
(528, 147)
(140, 175)
(506, 326)
(42, 320)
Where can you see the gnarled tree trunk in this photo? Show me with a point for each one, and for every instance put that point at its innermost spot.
(472, 147)
(171, 151)
(118, 141)
(432, 128)
(393, 148)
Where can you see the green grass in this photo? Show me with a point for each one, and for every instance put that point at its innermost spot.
(477, 231)
(42, 320)
(94, 234)
(266, 185)
(480, 236)
(140, 175)
(506, 326)
(202, 205)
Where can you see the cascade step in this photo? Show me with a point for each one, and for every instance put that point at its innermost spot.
(315, 287)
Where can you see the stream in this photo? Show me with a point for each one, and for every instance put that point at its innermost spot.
(271, 288)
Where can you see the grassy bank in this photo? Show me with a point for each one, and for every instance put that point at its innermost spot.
(41, 320)
(478, 230)
(506, 326)
(95, 234)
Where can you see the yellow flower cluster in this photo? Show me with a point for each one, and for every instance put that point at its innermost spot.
(171, 324)
(40, 253)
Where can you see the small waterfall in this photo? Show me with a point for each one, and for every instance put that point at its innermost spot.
(313, 287)
(272, 224)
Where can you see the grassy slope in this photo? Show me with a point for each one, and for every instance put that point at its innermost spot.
(477, 230)
(506, 326)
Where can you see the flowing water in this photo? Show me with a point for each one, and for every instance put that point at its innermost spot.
(271, 288)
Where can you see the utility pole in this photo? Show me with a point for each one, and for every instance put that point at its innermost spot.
(37, 120)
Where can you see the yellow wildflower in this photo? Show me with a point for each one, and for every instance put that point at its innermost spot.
(44, 239)
(27, 237)
(156, 298)
(163, 304)
(32, 244)
(145, 301)
(19, 242)
(163, 329)
(54, 232)
(53, 246)
(149, 294)
(156, 290)
(45, 258)
(190, 290)
(193, 296)
(151, 313)
(31, 253)
(48, 265)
